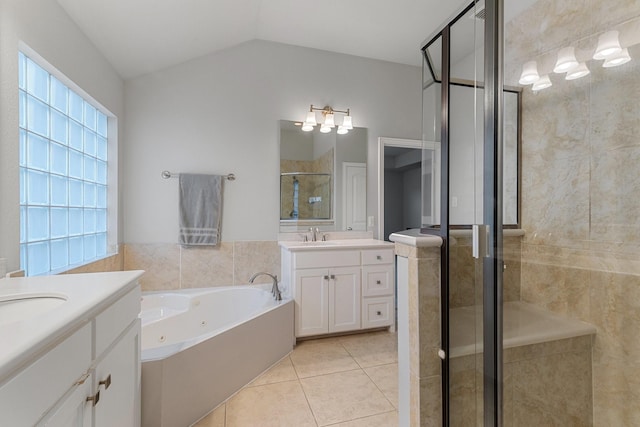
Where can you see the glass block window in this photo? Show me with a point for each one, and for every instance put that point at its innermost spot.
(63, 174)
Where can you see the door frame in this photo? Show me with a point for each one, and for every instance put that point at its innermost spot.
(394, 142)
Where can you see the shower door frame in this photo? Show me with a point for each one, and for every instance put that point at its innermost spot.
(492, 257)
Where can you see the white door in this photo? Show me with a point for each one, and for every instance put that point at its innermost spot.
(344, 299)
(355, 196)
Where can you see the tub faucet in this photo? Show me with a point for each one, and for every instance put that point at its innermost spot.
(275, 291)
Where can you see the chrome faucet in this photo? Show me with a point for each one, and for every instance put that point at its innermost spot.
(314, 233)
(275, 291)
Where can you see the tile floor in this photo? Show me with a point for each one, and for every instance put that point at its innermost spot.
(349, 381)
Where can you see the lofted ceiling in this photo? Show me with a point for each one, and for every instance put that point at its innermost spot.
(142, 36)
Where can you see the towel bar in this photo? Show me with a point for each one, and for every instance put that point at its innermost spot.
(167, 175)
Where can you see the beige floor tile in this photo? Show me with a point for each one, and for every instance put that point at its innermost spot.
(272, 405)
(379, 348)
(386, 378)
(282, 371)
(214, 419)
(388, 419)
(311, 358)
(344, 396)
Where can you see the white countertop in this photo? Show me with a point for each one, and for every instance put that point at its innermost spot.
(86, 295)
(298, 245)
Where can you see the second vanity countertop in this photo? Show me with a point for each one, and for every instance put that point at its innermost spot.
(82, 297)
(298, 245)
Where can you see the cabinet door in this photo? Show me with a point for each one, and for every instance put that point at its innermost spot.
(117, 377)
(73, 410)
(344, 299)
(311, 301)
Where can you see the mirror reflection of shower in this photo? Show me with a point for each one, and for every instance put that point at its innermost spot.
(305, 196)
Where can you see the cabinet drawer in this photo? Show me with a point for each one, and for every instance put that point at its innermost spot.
(377, 280)
(377, 256)
(330, 258)
(115, 319)
(377, 311)
(31, 393)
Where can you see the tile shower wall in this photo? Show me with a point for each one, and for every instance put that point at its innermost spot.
(464, 288)
(580, 186)
(170, 266)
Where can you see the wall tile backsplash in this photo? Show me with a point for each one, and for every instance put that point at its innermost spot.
(170, 266)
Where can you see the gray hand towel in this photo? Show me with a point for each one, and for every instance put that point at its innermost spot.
(200, 209)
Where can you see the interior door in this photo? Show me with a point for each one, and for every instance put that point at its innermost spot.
(355, 196)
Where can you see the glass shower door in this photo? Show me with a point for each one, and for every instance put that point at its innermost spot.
(466, 157)
(471, 199)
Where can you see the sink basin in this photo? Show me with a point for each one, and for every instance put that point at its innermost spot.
(14, 308)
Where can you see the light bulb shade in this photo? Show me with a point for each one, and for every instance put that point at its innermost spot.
(566, 60)
(342, 130)
(328, 120)
(580, 71)
(346, 123)
(324, 128)
(608, 44)
(542, 83)
(618, 59)
(311, 119)
(529, 73)
(307, 127)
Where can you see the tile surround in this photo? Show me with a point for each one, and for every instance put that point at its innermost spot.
(581, 254)
(170, 266)
(111, 263)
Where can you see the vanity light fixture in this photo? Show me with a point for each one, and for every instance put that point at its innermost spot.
(529, 73)
(542, 83)
(566, 60)
(618, 59)
(328, 122)
(608, 45)
(575, 73)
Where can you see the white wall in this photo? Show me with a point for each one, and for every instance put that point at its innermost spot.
(45, 28)
(220, 114)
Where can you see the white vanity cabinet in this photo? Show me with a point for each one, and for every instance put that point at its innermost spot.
(339, 287)
(378, 288)
(90, 375)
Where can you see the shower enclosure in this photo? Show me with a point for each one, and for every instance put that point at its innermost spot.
(534, 105)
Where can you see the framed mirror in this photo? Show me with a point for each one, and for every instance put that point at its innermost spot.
(323, 179)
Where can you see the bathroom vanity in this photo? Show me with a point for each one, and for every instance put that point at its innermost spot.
(70, 352)
(339, 285)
